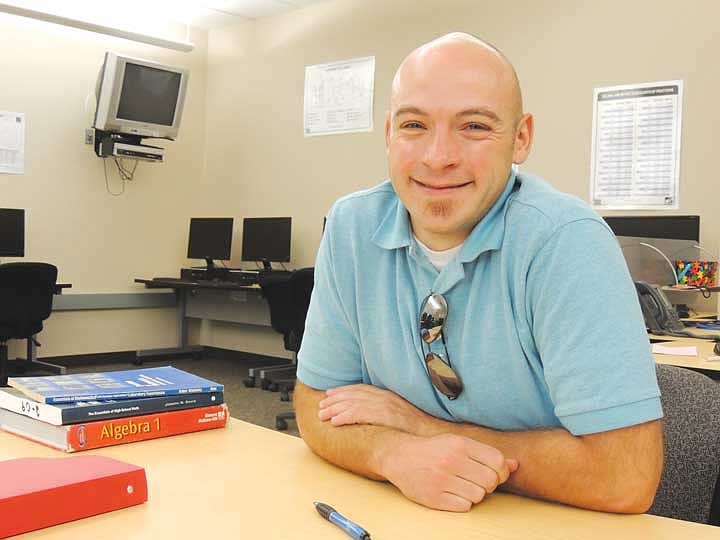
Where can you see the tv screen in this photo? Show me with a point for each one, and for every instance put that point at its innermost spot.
(148, 94)
(140, 97)
(12, 232)
(210, 238)
(266, 239)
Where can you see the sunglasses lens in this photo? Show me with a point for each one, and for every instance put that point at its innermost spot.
(433, 313)
(443, 376)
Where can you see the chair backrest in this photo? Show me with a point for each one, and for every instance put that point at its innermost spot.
(302, 281)
(26, 295)
(288, 296)
(276, 290)
(691, 426)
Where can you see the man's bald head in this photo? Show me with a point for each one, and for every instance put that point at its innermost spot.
(473, 51)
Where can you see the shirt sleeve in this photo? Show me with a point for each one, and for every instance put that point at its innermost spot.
(589, 331)
(330, 355)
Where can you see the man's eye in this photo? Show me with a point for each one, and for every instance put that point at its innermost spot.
(474, 126)
(412, 125)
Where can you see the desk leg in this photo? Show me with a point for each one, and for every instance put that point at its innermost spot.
(183, 349)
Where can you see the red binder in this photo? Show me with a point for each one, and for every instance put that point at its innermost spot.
(40, 492)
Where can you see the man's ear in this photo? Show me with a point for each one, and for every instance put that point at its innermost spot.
(387, 129)
(523, 139)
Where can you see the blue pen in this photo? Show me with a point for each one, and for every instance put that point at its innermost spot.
(353, 529)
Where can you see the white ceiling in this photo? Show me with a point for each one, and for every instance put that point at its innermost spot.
(215, 14)
(206, 14)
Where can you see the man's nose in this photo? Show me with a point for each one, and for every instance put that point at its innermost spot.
(442, 150)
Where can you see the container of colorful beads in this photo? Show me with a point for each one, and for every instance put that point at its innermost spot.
(694, 273)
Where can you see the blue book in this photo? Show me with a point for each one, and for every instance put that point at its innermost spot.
(113, 385)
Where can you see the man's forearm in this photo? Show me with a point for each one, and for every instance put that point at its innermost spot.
(617, 471)
(447, 471)
(355, 448)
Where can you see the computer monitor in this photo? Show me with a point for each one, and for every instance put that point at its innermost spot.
(12, 232)
(266, 240)
(210, 238)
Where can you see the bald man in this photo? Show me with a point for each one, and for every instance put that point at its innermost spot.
(472, 328)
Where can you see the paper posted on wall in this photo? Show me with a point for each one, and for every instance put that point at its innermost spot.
(12, 142)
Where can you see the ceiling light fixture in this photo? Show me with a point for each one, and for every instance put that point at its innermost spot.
(184, 46)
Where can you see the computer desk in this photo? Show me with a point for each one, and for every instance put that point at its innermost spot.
(248, 482)
(704, 349)
(219, 302)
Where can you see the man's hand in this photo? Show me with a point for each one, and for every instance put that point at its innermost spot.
(445, 472)
(367, 404)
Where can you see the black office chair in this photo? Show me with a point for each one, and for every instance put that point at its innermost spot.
(275, 289)
(26, 296)
(300, 288)
(689, 487)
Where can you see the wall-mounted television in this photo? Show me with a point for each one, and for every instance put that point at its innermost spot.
(140, 97)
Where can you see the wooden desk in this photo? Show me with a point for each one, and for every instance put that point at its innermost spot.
(699, 362)
(247, 482)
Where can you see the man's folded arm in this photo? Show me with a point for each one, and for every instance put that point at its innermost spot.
(354, 448)
(444, 471)
(613, 471)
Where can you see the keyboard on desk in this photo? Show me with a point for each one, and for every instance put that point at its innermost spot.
(243, 281)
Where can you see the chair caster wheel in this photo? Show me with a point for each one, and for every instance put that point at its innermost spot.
(137, 361)
(273, 387)
(285, 395)
(280, 424)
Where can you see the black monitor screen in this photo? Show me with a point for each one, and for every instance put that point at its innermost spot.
(210, 238)
(266, 239)
(12, 232)
(673, 227)
(149, 95)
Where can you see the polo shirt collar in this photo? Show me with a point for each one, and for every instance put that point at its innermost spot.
(488, 234)
(395, 230)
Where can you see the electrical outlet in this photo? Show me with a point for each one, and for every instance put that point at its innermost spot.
(89, 136)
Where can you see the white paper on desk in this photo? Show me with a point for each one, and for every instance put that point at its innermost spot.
(12, 142)
(659, 348)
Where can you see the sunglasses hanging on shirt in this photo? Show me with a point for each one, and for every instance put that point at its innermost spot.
(433, 314)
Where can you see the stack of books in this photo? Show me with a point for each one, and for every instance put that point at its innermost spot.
(93, 410)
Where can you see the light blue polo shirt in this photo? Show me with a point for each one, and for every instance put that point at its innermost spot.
(544, 325)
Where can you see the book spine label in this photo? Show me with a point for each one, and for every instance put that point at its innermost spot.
(71, 398)
(140, 428)
(122, 409)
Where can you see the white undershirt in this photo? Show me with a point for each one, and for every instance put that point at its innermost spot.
(439, 259)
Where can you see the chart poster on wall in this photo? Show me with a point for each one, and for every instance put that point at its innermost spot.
(636, 146)
(12, 142)
(339, 97)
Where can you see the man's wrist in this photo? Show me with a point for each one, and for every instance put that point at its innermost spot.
(385, 448)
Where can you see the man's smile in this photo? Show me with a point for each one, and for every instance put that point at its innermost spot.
(439, 187)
